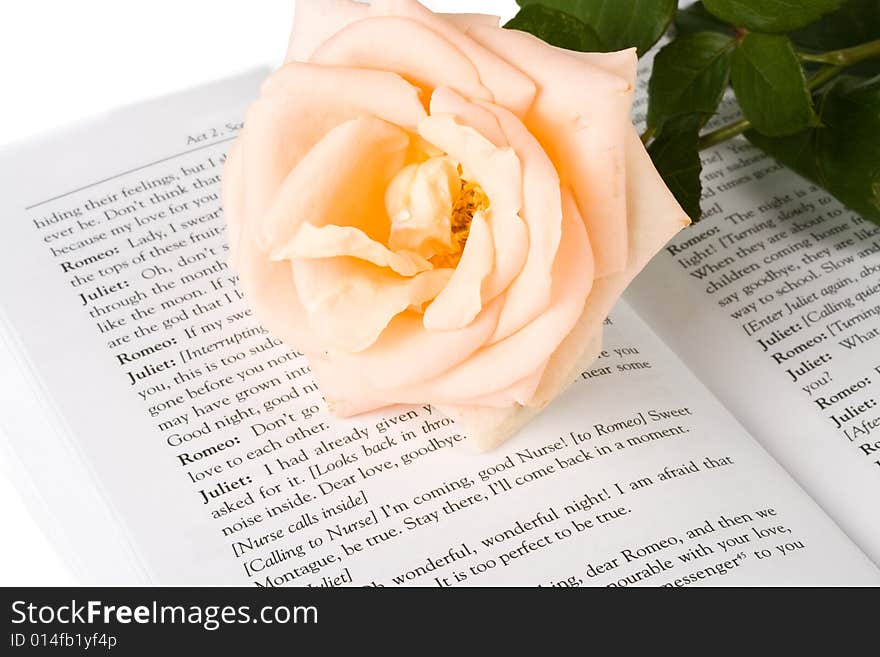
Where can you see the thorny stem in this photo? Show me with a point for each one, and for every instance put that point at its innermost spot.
(724, 133)
(845, 56)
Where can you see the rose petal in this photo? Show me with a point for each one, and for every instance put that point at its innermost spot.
(460, 301)
(281, 127)
(404, 355)
(349, 302)
(464, 21)
(622, 63)
(330, 241)
(284, 124)
(419, 203)
(655, 217)
(529, 293)
(497, 171)
(493, 367)
(489, 427)
(581, 116)
(387, 43)
(446, 101)
(268, 288)
(315, 21)
(490, 369)
(341, 181)
(519, 393)
(508, 85)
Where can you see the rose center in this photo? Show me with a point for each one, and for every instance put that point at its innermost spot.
(431, 208)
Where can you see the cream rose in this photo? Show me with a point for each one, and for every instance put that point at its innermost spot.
(437, 210)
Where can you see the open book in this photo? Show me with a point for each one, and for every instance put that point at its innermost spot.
(728, 433)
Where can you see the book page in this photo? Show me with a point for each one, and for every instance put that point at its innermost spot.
(773, 300)
(210, 442)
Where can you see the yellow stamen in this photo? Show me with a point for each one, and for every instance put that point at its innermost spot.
(470, 200)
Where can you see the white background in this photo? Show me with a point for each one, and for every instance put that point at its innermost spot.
(62, 61)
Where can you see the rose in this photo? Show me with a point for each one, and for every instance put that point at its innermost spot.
(437, 210)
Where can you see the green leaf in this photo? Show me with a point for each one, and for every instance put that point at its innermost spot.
(843, 155)
(676, 155)
(771, 15)
(556, 28)
(849, 147)
(856, 22)
(697, 19)
(690, 75)
(770, 85)
(795, 151)
(620, 24)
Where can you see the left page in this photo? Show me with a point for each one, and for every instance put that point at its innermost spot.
(207, 441)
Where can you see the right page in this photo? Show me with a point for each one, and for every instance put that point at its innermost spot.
(773, 301)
